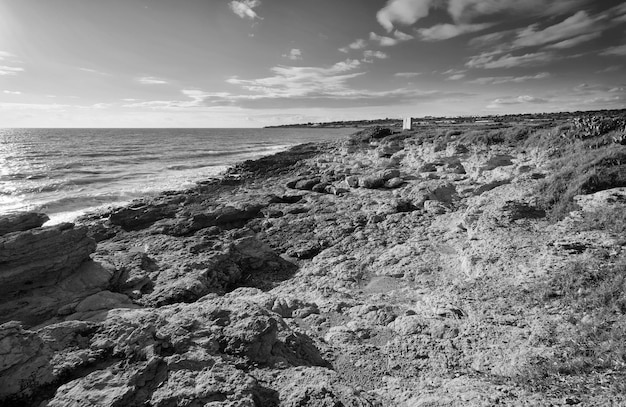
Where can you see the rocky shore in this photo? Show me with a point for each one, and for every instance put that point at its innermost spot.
(389, 269)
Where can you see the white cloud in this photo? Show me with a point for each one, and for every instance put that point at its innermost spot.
(524, 99)
(369, 56)
(407, 74)
(404, 12)
(4, 55)
(10, 70)
(289, 81)
(618, 50)
(400, 36)
(441, 32)
(467, 10)
(150, 80)
(498, 80)
(33, 106)
(492, 60)
(11, 92)
(94, 71)
(575, 26)
(572, 42)
(612, 68)
(357, 44)
(245, 8)
(383, 41)
(295, 55)
(456, 77)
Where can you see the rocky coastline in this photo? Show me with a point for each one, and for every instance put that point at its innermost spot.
(388, 269)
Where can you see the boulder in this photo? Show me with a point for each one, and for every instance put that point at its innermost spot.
(41, 257)
(394, 182)
(30, 360)
(19, 222)
(379, 179)
(307, 184)
(352, 181)
(224, 216)
(608, 199)
(141, 215)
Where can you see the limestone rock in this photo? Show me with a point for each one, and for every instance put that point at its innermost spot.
(41, 257)
(141, 215)
(607, 199)
(19, 222)
(224, 216)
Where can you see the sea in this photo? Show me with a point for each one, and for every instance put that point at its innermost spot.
(68, 172)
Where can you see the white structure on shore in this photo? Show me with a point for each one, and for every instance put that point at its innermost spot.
(407, 123)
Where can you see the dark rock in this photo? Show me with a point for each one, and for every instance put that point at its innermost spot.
(141, 215)
(460, 149)
(320, 188)
(227, 215)
(288, 199)
(428, 167)
(371, 182)
(488, 187)
(41, 257)
(19, 222)
(501, 160)
(514, 210)
(307, 184)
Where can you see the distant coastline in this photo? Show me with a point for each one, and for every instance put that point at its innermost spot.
(443, 120)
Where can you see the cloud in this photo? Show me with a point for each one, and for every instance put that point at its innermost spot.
(150, 80)
(10, 70)
(612, 68)
(572, 42)
(407, 74)
(5, 55)
(94, 71)
(498, 80)
(441, 32)
(524, 99)
(618, 50)
(289, 81)
(369, 56)
(579, 28)
(398, 37)
(456, 77)
(404, 12)
(33, 106)
(295, 54)
(492, 60)
(245, 8)
(578, 25)
(358, 44)
(11, 92)
(467, 10)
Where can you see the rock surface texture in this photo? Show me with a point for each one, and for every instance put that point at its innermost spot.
(389, 269)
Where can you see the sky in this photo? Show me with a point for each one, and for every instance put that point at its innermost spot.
(254, 63)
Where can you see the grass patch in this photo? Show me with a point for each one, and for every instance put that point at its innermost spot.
(583, 172)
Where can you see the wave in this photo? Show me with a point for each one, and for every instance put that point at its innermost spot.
(73, 203)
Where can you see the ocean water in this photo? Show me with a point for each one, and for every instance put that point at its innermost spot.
(67, 172)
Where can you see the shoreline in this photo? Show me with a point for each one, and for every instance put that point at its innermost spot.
(384, 269)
